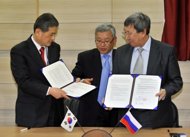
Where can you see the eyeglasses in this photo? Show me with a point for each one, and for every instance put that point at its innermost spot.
(99, 42)
(127, 33)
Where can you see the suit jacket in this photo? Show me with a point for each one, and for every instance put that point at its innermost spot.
(162, 62)
(90, 113)
(33, 107)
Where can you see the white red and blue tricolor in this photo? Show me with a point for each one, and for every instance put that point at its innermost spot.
(130, 122)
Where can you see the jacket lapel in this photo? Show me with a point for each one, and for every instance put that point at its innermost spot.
(34, 53)
(127, 56)
(154, 59)
(49, 55)
(97, 62)
(128, 59)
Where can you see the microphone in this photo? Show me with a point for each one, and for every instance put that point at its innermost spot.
(96, 133)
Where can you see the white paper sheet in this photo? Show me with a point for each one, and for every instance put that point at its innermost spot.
(77, 89)
(119, 91)
(59, 76)
(145, 89)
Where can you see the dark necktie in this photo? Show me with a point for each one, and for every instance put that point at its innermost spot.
(138, 68)
(104, 80)
(42, 54)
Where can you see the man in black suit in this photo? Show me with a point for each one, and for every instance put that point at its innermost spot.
(88, 68)
(38, 104)
(158, 59)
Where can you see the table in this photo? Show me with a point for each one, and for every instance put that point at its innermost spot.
(77, 132)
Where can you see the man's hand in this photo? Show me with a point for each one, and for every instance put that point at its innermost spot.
(86, 80)
(161, 94)
(108, 108)
(57, 93)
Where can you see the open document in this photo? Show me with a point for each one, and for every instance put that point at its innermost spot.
(59, 76)
(124, 91)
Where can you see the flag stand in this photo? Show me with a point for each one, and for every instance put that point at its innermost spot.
(114, 127)
(81, 127)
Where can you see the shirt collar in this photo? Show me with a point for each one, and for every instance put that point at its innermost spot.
(110, 54)
(35, 43)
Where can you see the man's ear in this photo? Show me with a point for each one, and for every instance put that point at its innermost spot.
(38, 32)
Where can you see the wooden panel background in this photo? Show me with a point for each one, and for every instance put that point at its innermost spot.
(78, 20)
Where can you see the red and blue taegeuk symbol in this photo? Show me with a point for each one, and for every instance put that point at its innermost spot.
(69, 120)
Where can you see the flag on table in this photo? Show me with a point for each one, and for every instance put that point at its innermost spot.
(130, 122)
(69, 121)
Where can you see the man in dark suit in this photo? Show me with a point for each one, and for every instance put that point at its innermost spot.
(89, 68)
(38, 104)
(158, 59)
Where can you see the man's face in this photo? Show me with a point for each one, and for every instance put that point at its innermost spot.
(46, 38)
(132, 37)
(105, 41)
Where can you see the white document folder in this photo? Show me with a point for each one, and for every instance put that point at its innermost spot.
(127, 91)
(59, 76)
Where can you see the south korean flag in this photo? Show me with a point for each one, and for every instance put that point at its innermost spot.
(69, 121)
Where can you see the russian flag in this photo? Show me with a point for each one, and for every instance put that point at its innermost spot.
(130, 122)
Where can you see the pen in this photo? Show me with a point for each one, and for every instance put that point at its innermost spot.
(24, 129)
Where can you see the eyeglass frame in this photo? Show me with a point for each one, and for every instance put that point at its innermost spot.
(98, 42)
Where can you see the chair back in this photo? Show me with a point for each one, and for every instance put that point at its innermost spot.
(175, 115)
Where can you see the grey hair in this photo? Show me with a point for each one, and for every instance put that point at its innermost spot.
(106, 27)
(140, 22)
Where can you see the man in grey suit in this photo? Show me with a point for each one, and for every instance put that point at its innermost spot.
(89, 68)
(38, 104)
(157, 59)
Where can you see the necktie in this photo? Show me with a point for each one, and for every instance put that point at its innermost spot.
(138, 69)
(42, 54)
(104, 79)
